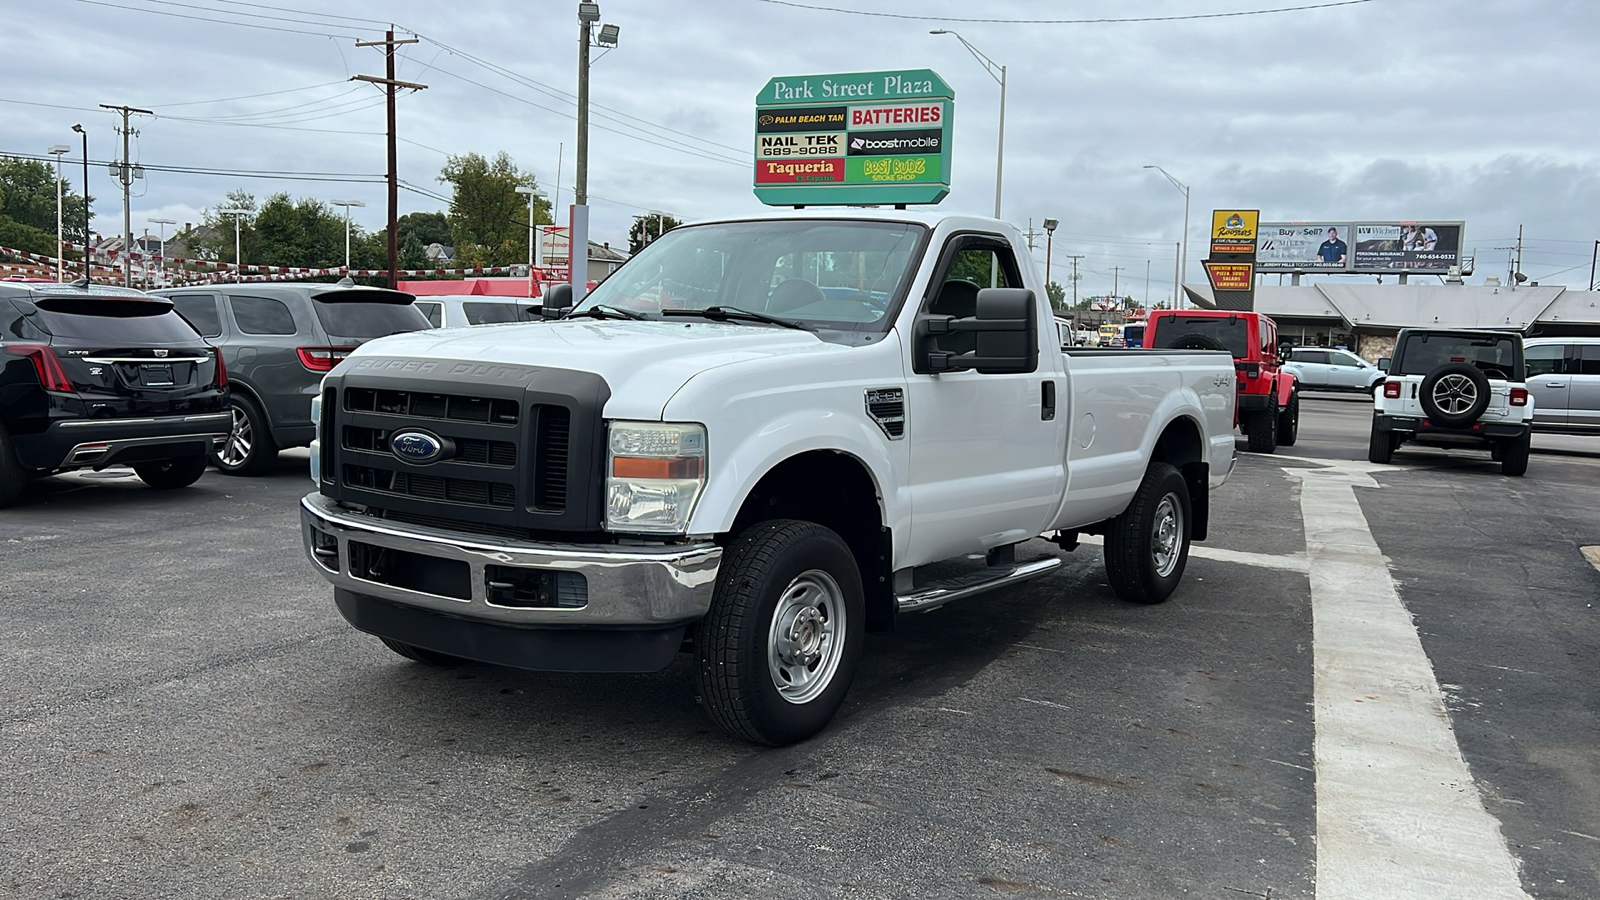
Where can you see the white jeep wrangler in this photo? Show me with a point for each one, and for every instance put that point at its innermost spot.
(1455, 388)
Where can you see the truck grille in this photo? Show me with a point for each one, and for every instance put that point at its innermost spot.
(465, 491)
(525, 456)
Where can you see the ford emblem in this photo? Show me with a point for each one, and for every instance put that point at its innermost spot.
(416, 446)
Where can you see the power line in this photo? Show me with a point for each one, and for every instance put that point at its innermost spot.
(251, 96)
(157, 12)
(352, 177)
(1101, 21)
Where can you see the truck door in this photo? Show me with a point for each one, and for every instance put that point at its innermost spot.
(986, 449)
(1312, 368)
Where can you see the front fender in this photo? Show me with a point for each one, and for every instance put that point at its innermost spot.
(1286, 383)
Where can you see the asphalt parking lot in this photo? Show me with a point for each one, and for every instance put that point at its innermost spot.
(1369, 674)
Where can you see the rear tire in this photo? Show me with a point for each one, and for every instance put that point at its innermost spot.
(170, 474)
(776, 652)
(1514, 455)
(1147, 547)
(12, 475)
(249, 449)
(1289, 421)
(1262, 430)
(421, 654)
(1381, 446)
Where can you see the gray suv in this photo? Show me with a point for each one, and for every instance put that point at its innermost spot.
(278, 340)
(1564, 378)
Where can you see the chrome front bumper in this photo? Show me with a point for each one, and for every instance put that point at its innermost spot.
(628, 586)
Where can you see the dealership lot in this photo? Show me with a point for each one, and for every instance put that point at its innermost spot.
(185, 714)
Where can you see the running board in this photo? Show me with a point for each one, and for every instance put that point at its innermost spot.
(939, 593)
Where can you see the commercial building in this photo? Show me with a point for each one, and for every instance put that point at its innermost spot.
(1365, 318)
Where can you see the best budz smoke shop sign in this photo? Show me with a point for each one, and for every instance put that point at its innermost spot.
(864, 137)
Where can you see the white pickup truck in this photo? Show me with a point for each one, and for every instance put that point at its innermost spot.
(753, 441)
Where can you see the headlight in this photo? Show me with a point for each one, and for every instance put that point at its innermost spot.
(655, 472)
(316, 442)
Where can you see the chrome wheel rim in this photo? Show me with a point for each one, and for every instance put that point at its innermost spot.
(1166, 535)
(1454, 394)
(806, 639)
(237, 449)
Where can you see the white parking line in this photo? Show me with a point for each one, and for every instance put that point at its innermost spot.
(1398, 814)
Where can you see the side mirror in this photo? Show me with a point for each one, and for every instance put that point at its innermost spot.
(557, 301)
(1383, 364)
(1007, 334)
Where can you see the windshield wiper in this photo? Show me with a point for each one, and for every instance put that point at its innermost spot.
(601, 311)
(735, 314)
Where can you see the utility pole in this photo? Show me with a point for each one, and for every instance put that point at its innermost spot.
(578, 235)
(1519, 257)
(1115, 291)
(125, 175)
(1031, 234)
(389, 85)
(1075, 257)
(238, 257)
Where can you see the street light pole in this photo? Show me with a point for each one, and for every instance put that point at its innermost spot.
(1183, 254)
(162, 251)
(532, 194)
(1049, 241)
(578, 252)
(991, 67)
(56, 151)
(87, 241)
(347, 204)
(238, 267)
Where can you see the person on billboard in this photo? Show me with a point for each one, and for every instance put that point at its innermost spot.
(1332, 249)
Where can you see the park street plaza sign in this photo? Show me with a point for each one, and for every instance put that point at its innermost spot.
(858, 138)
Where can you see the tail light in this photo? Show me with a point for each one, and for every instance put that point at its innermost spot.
(1519, 396)
(45, 363)
(1391, 389)
(222, 370)
(322, 359)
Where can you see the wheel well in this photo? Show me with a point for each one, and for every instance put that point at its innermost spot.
(1180, 446)
(834, 490)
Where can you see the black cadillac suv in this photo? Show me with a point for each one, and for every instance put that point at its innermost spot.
(96, 375)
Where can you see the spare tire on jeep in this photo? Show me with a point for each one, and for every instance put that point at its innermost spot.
(1455, 394)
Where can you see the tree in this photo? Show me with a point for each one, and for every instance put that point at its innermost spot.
(646, 229)
(413, 253)
(215, 239)
(488, 218)
(1058, 295)
(427, 227)
(306, 233)
(28, 207)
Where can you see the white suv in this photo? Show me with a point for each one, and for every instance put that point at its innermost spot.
(1455, 388)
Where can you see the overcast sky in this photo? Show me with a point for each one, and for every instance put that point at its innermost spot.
(1381, 109)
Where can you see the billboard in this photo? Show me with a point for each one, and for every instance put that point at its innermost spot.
(1407, 247)
(1303, 247)
(1364, 248)
(856, 138)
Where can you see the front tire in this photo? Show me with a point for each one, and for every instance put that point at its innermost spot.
(1289, 421)
(776, 652)
(1262, 430)
(249, 449)
(1514, 455)
(170, 474)
(1147, 547)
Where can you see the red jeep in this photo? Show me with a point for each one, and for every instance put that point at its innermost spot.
(1269, 400)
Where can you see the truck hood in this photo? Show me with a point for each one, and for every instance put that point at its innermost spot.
(644, 363)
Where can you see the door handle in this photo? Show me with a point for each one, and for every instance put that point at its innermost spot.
(1555, 384)
(1047, 401)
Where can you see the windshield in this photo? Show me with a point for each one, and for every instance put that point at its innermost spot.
(828, 274)
(1187, 332)
(1494, 355)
